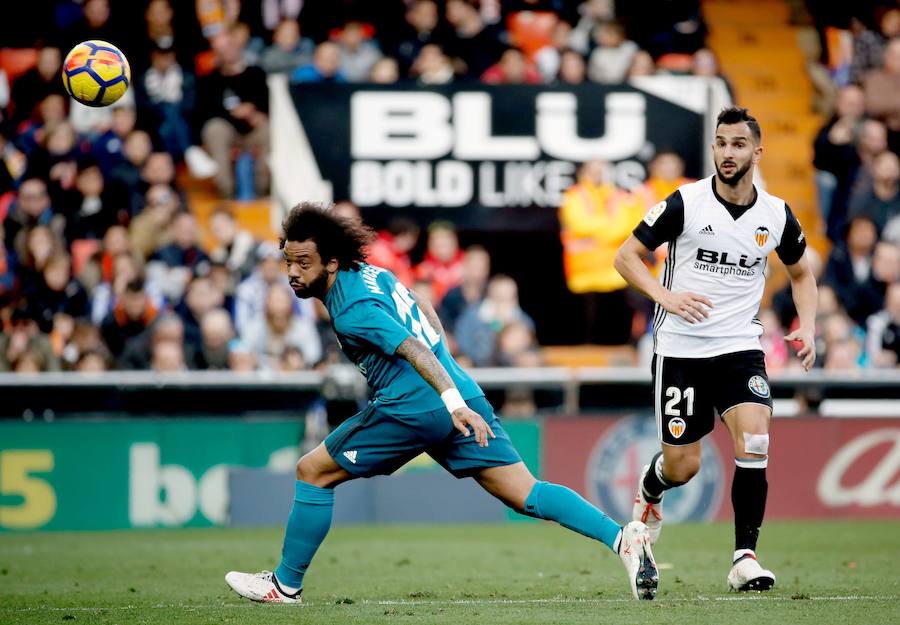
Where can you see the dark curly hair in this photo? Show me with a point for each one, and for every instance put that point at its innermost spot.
(736, 115)
(335, 236)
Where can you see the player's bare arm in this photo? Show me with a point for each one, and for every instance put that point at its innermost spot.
(689, 306)
(805, 293)
(432, 371)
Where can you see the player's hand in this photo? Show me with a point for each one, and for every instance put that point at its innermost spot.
(463, 417)
(807, 349)
(689, 306)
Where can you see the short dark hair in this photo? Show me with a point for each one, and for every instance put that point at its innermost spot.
(736, 115)
(335, 237)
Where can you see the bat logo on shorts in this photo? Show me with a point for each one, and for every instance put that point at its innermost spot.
(677, 426)
(758, 386)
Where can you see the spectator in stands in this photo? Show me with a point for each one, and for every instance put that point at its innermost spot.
(168, 357)
(201, 296)
(385, 71)
(217, 332)
(55, 158)
(235, 246)
(109, 147)
(34, 248)
(8, 268)
(843, 344)
(94, 24)
(443, 262)
(882, 88)
(125, 177)
(125, 269)
(324, 68)
(835, 157)
(88, 206)
(609, 62)
(36, 84)
(241, 358)
(850, 263)
(85, 339)
(184, 250)
(478, 326)
(166, 97)
(705, 63)
(56, 292)
(289, 49)
(881, 201)
(547, 59)
(24, 348)
(572, 68)
(591, 12)
(595, 219)
(92, 362)
(868, 49)
(783, 300)
(642, 64)
(151, 229)
(250, 295)
(268, 336)
(132, 314)
(666, 174)
(883, 331)
(359, 52)
(476, 270)
(432, 66)
(138, 352)
(391, 249)
(512, 69)
(30, 209)
(421, 28)
(772, 341)
(233, 108)
(475, 43)
(517, 346)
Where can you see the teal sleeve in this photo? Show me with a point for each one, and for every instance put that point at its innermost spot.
(371, 322)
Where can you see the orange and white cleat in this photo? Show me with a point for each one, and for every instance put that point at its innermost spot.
(650, 514)
(635, 553)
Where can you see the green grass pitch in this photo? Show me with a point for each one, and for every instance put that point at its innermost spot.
(829, 573)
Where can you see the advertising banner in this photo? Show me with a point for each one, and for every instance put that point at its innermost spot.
(475, 152)
(152, 473)
(817, 467)
(131, 473)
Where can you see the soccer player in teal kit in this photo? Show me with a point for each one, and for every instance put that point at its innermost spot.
(422, 402)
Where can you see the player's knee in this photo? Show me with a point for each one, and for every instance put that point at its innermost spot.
(308, 472)
(682, 471)
(755, 444)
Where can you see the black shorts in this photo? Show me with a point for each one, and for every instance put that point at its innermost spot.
(688, 392)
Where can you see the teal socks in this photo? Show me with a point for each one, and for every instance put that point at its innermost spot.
(563, 505)
(307, 527)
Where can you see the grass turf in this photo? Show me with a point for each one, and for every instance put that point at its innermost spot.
(828, 573)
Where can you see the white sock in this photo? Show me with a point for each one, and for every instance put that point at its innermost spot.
(740, 553)
(285, 589)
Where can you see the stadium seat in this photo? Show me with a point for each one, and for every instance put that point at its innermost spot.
(17, 61)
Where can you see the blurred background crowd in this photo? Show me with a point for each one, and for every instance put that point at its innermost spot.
(106, 264)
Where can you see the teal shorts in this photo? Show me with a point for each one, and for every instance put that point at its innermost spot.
(375, 442)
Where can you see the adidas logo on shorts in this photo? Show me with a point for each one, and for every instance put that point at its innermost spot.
(351, 456)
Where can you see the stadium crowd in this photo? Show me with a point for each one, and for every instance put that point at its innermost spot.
(102, 263)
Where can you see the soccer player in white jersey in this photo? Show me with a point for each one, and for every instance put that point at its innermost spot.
(707, 355)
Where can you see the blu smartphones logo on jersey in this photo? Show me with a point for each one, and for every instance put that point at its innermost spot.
(718, 262)
(615, 465)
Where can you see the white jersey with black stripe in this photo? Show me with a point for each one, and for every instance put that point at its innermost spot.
(719, 250)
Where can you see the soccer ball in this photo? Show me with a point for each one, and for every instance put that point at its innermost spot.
(96, 73)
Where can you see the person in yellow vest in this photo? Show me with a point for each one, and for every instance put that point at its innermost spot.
(595, 219)
(666, 174)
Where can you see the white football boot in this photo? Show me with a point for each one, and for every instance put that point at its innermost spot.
(747, 574)
(650, 514)
(259, 587)
(634, 550)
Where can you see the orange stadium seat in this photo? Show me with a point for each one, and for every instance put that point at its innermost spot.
(17, 61)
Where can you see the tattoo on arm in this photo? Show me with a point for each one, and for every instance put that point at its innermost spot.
(426, 363)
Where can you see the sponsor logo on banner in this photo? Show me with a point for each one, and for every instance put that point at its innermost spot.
(620, 454)
(879, 452)
(762, 235)
(677, 426)
(758, 386)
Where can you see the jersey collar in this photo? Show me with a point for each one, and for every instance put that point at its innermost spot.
(735, 210)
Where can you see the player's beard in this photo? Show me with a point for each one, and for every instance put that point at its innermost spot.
(734, 178)
(315, 288)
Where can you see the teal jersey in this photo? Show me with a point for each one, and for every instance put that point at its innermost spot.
(372, 313)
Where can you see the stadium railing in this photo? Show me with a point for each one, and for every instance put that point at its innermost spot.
(557, 390)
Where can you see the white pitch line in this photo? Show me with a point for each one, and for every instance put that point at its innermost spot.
(456, 602)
